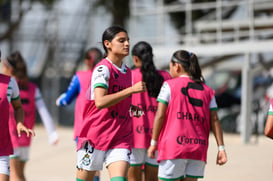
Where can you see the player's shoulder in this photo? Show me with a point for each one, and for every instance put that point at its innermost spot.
(101, 69)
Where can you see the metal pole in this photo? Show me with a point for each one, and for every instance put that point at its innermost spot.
(246, 103)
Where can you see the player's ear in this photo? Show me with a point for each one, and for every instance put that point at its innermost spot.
(107, 43)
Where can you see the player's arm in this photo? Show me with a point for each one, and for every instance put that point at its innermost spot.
(163, 100)
(100, 84)
(18, 110)
(46, 118)
(218, 133)
(71, 93)
(104, 100)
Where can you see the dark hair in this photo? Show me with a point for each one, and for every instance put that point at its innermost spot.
(93, 54)
(19, 69)
(110, 33)
(189, 61)
(150, 75)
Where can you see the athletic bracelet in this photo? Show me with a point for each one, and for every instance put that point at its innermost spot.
(153, 142)
(221, 148)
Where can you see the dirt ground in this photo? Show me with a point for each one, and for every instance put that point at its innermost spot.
(251, 162)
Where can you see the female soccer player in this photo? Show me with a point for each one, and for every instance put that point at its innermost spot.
(145, 70)
(15, 66)
(9, 93)
(106, 134)
(186, 113)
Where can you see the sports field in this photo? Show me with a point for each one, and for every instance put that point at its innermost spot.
(247, 162)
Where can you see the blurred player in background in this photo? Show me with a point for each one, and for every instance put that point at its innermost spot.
(15, 66)
(77, 89)
(9, 93)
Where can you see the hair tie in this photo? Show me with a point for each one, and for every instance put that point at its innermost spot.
(190, 54)
(175, 59)
(183, 61)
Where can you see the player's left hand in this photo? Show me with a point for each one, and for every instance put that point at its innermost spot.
(221, 157)
(21, 128)
(151, 151)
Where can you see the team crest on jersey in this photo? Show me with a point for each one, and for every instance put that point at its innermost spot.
(195, 86)
(86, 160)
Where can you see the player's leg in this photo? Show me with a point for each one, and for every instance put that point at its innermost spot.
(89, 160)
(137, 159)
(84, 175)
(151, 172)
(22, 170)
(117, 163)
(24, 157)
(151, 168)
(4, 177)
(4, 168)
(118, 170)
(135, 173)
(15, 169)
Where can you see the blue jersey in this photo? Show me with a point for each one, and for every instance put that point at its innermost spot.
(71, 93)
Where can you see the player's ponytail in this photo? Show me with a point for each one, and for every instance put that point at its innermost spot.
(150, 75)
(194, 68)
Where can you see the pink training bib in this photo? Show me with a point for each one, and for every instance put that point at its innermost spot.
(27, 96)
(185, 132)
(5, 141)
(111, 127)
(85, 80)
(143, 126)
